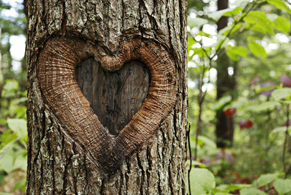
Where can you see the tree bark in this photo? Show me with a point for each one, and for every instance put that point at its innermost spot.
(60, 159)
(224, 84)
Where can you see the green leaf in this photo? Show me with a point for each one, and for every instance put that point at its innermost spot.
(191, 42)
(194, 163)
(272, 17)
(282, 186)
(207, 141)
(241, 3)
(250, 108)
(281, 129)
(196, 22)
(259, 22)
(252, 191)
(221, 102)
(266, 106)
(265, 179)
(199, 51)
(233, 187)
(202, 181)
(282, 24)
(234, 12)
(257, 49)
(11, 85)
(1, 76)
(7, 137)
(225, 12)
(18, 126)
(279, 94)
(20, 185)
(222, 42)
(10, 88)
(14, 158)
(265, 88)
(4, 193)
(233, 52)
(280, 5)
(218, 14)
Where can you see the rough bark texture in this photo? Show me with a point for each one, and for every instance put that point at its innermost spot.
(60, 164)
(224, 125)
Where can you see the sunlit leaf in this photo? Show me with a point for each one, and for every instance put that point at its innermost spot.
(241, 3)
(282, 93)
(7, 137)
(266, 106)
(272, 17)
(196, 22)
(218, 14)
(233, 52)
(257, 49)
(202, 181)
(266, 88)
(4, 193)
(265, 179)
(20, 185)
(1, 76)
(225, 12)
(280, 5)
(207, 141)
(281, 129)
(194, 163)
(282, 186)
(221, 102)
(252, 191)
(222, 42)
(14, 158)
(260, 22)
(282, 24)
(233, 187)
(18, 126)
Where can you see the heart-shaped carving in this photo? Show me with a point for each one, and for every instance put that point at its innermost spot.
(56, 74)
(115, 97)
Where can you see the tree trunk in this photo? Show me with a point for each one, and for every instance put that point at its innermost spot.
(128, 59)
(224, 84)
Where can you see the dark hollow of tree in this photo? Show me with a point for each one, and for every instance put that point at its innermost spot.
(114, 97)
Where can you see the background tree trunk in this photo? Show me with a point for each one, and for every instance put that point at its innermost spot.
(224, 125)
(59, 165)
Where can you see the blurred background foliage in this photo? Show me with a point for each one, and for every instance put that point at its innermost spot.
(13, 97)
(239, 76)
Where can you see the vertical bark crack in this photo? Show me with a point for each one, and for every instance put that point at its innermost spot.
(64, 18)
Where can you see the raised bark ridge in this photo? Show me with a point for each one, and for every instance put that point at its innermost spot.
(57, 63)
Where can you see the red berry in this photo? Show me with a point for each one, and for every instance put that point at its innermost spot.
(230, 111)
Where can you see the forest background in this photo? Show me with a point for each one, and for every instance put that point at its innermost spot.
(239, 97)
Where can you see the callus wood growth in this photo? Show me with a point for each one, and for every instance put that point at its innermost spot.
(56, 74)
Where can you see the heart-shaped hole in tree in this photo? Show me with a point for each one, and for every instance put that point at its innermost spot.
(114, 96)
(56, 74)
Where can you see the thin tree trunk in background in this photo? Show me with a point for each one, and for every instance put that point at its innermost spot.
(224, 125)
(59, 165)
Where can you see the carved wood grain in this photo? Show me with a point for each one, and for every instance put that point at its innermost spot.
(114, 97)
(56, 74)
